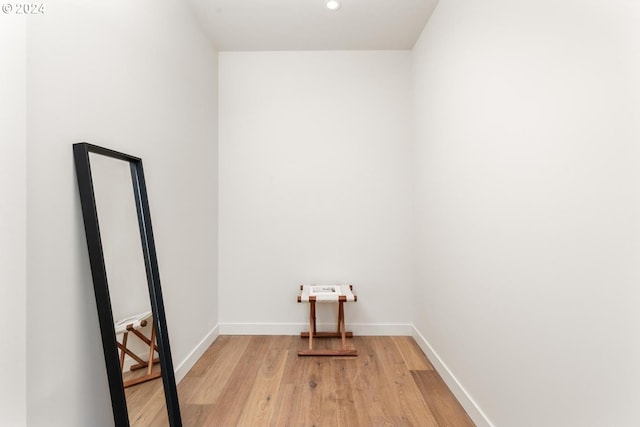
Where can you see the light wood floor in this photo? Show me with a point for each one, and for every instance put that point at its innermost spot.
(257, 381)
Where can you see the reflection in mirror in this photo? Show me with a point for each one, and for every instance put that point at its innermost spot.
(130, 306)
(127, 287)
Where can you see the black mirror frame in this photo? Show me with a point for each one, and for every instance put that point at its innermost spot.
(99, 274)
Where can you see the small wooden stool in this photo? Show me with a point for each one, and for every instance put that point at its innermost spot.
(325, 294)
(132, 324)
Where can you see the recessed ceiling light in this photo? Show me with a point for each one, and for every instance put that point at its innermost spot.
(333, 5)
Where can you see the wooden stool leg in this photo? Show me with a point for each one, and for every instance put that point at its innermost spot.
(341, 325)
(313, 314)
(133, 356)
(312, 322)
(122, 351)
(153, 340)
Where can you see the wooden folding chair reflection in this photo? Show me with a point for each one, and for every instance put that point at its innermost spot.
(133, 325)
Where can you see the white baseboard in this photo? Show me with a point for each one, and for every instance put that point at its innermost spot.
(196, 354)
(367, 329)
(467, 402)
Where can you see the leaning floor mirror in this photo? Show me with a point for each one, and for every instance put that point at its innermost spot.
(126, 281)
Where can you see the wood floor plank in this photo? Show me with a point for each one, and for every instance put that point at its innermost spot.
(318, 393)
(385, 394)
(261, 401)
(233, 397)
(412, 408)
(145, 401)
(413, 356)
(368, 382)
(138, 396)
(393, 421)
(443, 404)
(214, 379)
(187, 388)
(295, 365)
(289, 410)
(203, 365)
(344, 373)
(194, 415)
(153, 413)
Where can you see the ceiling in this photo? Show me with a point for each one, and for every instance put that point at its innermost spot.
(264, 25)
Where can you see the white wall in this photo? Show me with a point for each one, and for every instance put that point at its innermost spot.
(528, 207)
(137, 77)
(13, 210)
(314, 187)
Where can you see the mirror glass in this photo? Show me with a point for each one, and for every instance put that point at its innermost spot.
(128, 289)
(126, 282)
